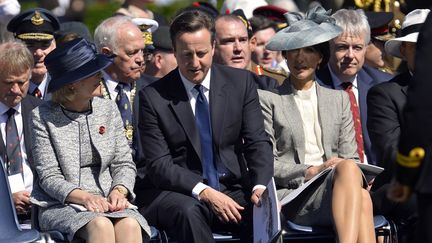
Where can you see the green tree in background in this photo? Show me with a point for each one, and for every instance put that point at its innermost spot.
(98, 10)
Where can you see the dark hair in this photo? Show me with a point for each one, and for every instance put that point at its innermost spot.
(261, 23)
(191, 21)
(323, 49)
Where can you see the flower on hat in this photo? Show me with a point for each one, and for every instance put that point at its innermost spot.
(316, 27)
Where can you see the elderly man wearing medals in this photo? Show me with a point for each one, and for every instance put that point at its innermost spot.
(129, 41)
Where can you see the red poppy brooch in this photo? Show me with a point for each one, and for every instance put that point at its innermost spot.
(101, 129)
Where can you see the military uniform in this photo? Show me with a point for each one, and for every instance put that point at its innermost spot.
(414, 161)
(35, 27)
(279, 75)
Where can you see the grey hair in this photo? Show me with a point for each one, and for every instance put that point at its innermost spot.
(353, 22)
(107, 32)
(15, 58)
(63, 95)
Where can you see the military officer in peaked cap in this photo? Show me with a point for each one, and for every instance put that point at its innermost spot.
(36, 27)
(147, 27)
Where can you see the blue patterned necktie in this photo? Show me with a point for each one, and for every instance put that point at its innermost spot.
(13, 149)
(124, 105)
(202, 118)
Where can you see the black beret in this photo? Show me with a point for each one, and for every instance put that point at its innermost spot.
(34, 24)
(162, 39)
(240, 13)
(379, 24)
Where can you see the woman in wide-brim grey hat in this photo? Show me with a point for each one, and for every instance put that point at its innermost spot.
(312, 131)
(84, 164)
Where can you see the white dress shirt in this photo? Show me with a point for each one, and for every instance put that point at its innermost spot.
(338, 85)
(307, 104)
(112, 85)
(27, 172)
(193, 94)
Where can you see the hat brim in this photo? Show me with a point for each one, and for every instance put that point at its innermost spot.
(285, 40)
(83, 72)
(392, 47)
(385, 37)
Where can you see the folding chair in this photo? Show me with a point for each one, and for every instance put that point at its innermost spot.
(300, 232)
(10, 230)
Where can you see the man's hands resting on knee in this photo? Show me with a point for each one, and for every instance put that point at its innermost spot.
(225, 208)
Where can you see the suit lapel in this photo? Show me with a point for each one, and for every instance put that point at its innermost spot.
(363, 85)
(2, 148)
(218, 104)
(404, 81)
(26, 109)
(180, 104)
(293, 117)
(325, 118)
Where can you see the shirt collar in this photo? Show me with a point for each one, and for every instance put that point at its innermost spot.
(41, 86)
(4, 108)
(337, 82)
(189, 86)
(112, 84)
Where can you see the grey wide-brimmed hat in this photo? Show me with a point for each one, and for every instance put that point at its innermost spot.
(316, 27)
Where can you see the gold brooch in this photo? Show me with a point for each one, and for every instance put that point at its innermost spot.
(37, 18)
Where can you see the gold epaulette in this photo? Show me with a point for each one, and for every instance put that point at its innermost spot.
(413, 160)
(276, 71)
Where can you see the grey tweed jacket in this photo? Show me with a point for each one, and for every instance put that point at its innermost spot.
(283, 124)
(56, 152)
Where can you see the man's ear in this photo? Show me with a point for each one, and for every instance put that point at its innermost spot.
(158, 60)
(252, 43)
(107, 51)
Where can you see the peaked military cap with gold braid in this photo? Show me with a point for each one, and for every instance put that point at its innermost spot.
(34, 24)
(147, 27)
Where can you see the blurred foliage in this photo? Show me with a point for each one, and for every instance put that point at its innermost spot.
(98, 10)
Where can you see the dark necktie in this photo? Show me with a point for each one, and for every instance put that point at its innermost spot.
(124, 105)
(356, 118)
(202, 118)
(37, 93)
(13, 149)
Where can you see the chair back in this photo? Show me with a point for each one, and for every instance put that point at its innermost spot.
(9, 218)
(10, 230)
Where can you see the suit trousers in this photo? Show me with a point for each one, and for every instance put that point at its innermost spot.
(424, 202)
(187, 219)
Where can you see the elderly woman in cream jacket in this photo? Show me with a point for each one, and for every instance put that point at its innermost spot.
(311, 129)
(83, 161)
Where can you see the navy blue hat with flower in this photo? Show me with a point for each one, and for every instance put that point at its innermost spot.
(316, 27)
(73, 61)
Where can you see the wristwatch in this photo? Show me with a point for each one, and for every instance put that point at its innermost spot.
(122, 190)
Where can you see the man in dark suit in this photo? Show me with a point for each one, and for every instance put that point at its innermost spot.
(208, 158)
(15, 106)
(386, 103)
(414, 168)
(346, 69)
(120, 37)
